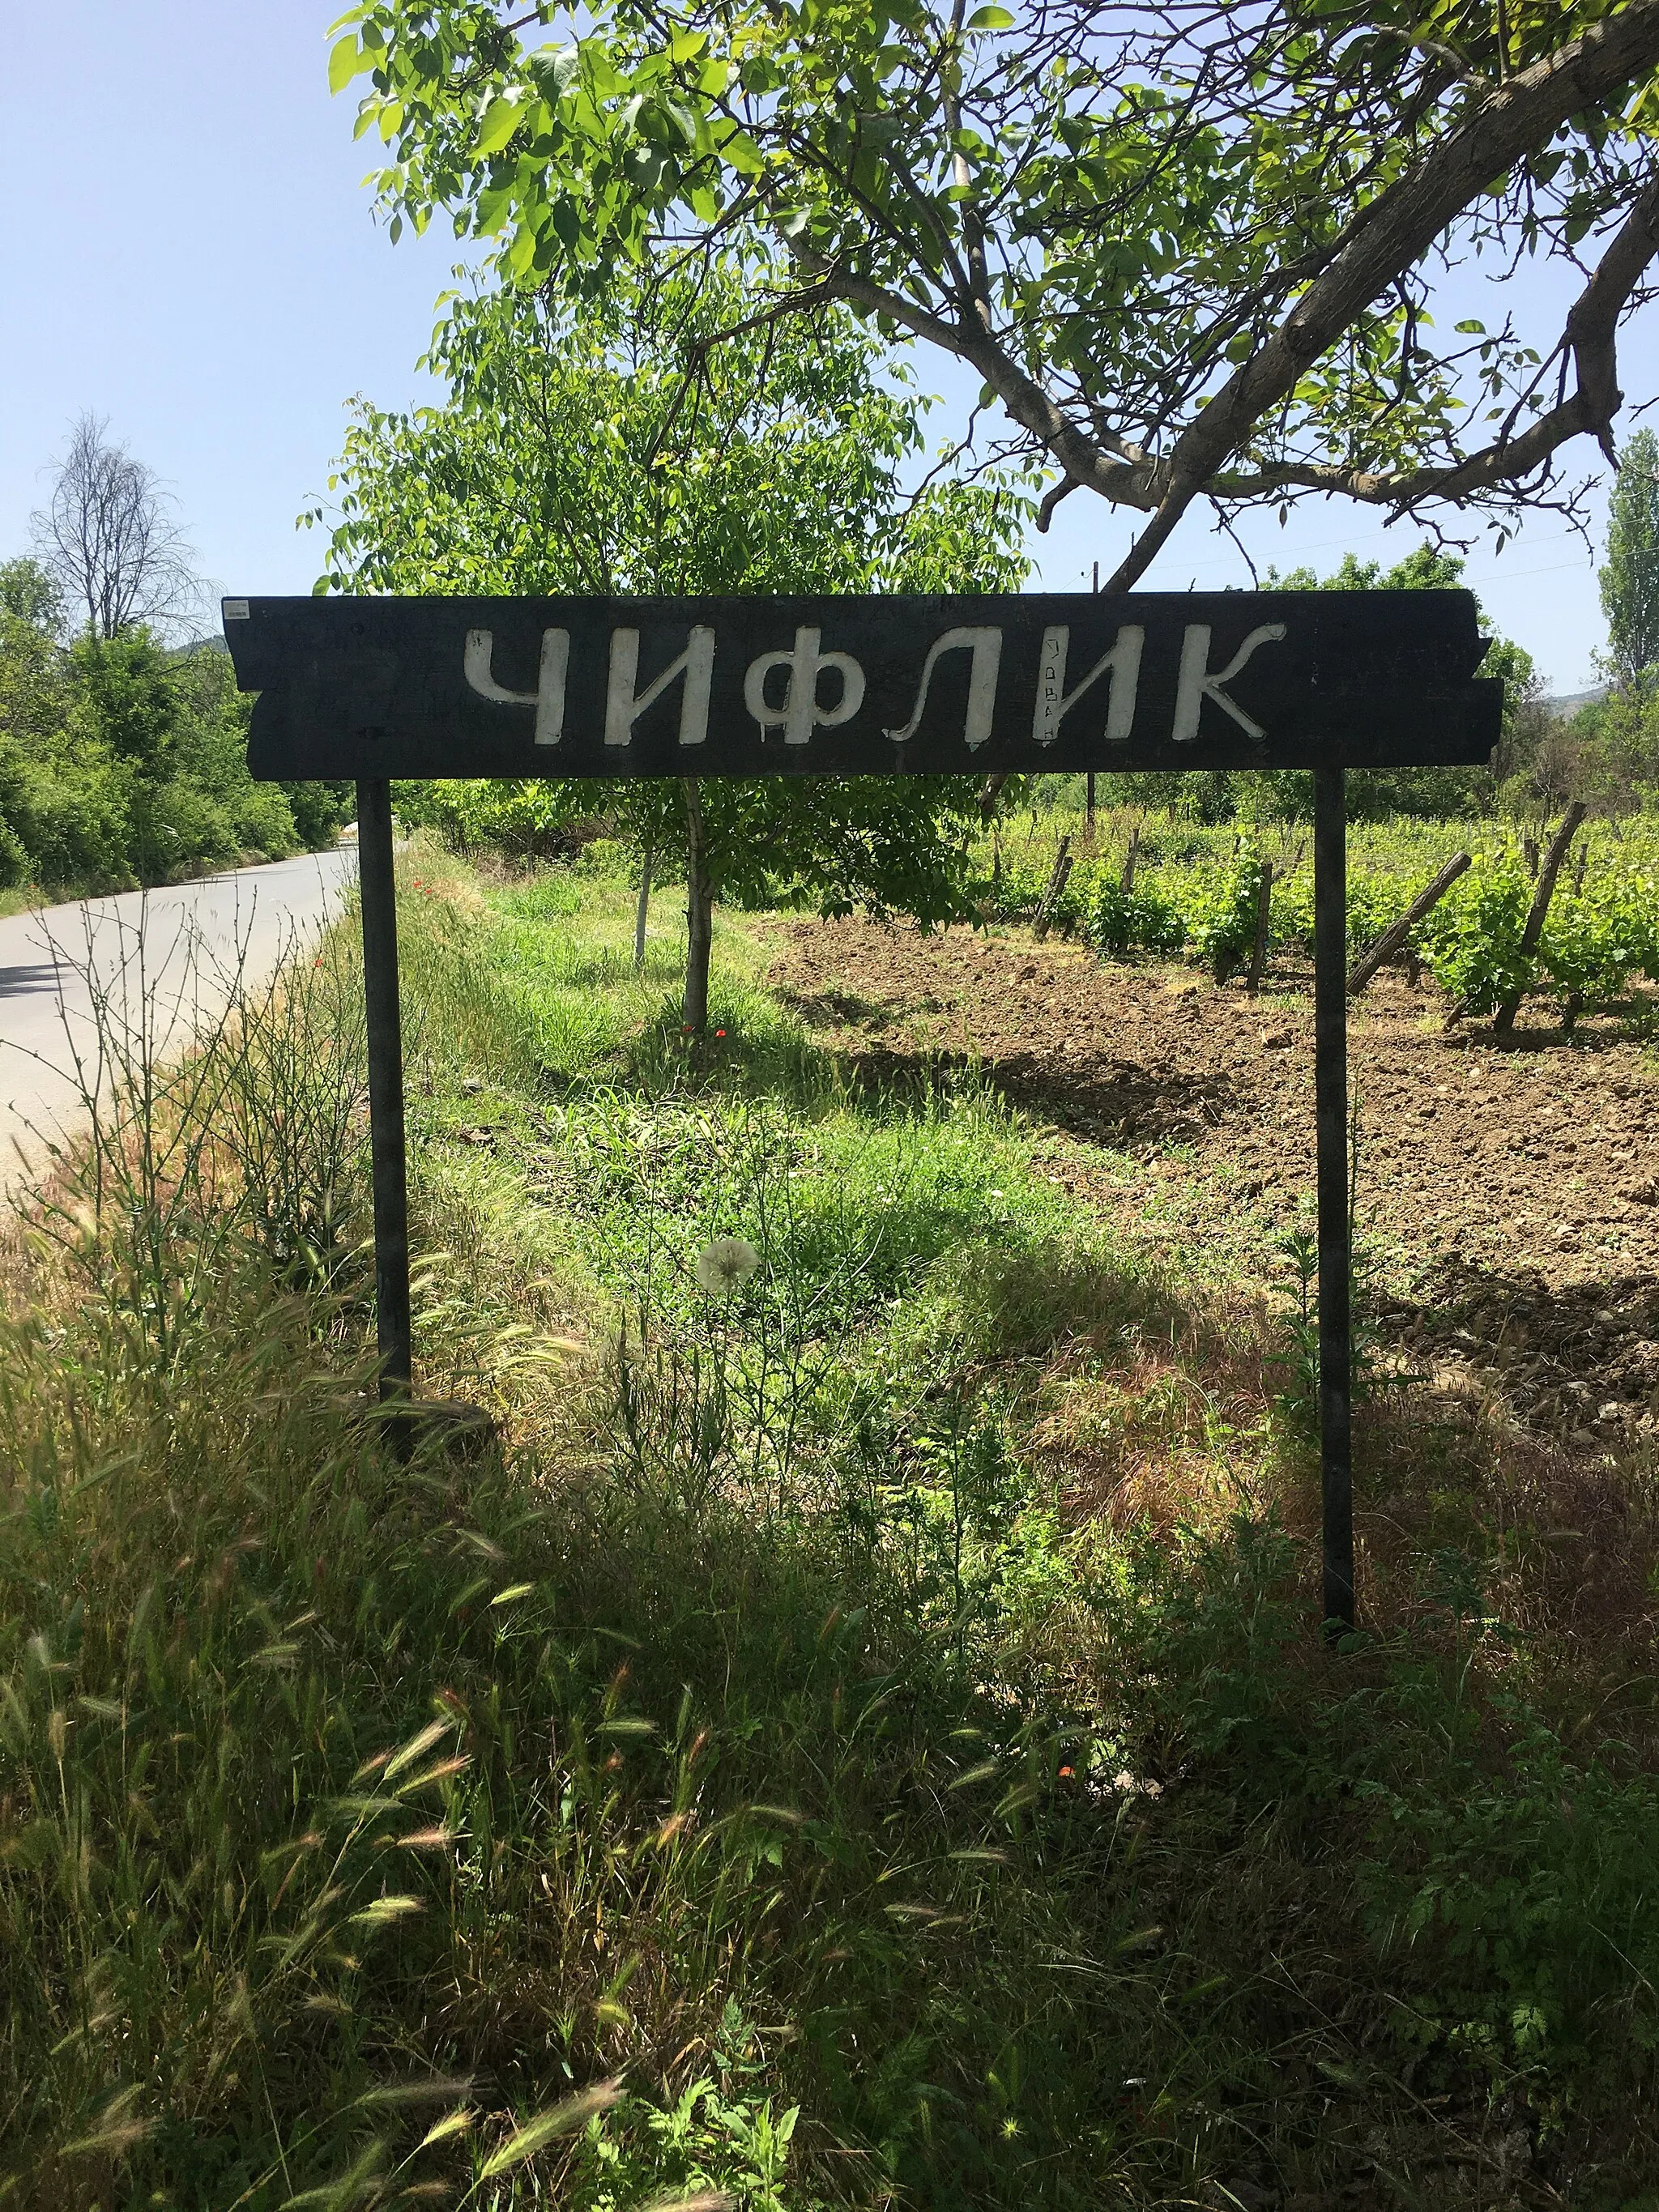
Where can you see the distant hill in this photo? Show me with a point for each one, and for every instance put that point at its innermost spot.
(1565, 707)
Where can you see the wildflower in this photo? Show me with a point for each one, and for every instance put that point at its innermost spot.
(727, 1265)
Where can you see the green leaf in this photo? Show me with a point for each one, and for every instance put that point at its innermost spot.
(342, 63)
(555, 72)
(989, 19)
(501, 119)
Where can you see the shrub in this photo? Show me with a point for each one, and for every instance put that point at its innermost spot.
(264, 822)
(74, 821)
(1219, 907)
(320, 810)
(527, 818)
(14, 859)
(1137, 920)
(178, 826)
(1471, 940)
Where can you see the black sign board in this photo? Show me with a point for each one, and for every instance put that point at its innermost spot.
(378, 688)
(893, 686)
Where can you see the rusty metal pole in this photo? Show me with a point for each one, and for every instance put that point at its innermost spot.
(386, 1083)
(1335, 1258)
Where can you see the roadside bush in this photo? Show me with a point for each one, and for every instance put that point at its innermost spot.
(71, 814)
(178, 827)
(525, 818)
(121, 761)
(320, 810)
(263, 820)
(14, 859)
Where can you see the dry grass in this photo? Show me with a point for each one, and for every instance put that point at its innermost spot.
(885, 1697)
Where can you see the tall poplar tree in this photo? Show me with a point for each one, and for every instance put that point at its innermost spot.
(1630, 576)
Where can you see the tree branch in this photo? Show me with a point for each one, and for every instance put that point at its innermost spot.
(1589, 340)
(1404, 222)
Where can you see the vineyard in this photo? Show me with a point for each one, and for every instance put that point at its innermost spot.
(1141, 883)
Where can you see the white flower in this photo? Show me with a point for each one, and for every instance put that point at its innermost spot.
(727, 1265)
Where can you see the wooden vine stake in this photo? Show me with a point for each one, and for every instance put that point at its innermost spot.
(1503, 1020)
(1263, 909)
(1045, 913)
(1396, 933)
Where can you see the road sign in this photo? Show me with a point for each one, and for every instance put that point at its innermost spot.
(379, 688)
(873, 686)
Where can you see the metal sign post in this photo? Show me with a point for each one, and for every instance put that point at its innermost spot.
(1331, 1120)
(378, 688)
(387, 1156)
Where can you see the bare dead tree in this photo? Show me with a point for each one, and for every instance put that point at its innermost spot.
(110, 538)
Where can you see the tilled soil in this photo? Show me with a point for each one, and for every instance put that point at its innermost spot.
(1512, 1190)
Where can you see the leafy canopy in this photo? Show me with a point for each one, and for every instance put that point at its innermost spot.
(597, 447)
(1190, 249)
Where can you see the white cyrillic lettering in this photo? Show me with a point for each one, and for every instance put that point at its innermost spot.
(800, 712)
(1197, 684)
(1054, 701)
(986, 646)
(623, 707)
(548, 699)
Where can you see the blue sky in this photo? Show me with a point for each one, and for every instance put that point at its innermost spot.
(199, 263)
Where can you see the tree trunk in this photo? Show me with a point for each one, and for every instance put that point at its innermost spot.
(1504, 1021)
(643, 908)
(699, 915)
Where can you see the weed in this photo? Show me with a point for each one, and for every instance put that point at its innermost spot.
(859, 1742)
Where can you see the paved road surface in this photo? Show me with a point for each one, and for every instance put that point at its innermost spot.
(193, 933)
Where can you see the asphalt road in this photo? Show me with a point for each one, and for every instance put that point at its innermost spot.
(55, 961)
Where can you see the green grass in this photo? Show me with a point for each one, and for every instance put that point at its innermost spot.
(860, 1740)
